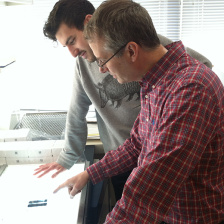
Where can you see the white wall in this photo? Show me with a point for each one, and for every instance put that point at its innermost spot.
(41, 77)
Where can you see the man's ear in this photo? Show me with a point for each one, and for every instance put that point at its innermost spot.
(133, 49)
(87, 18)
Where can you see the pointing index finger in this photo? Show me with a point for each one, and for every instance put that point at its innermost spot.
(59, 188)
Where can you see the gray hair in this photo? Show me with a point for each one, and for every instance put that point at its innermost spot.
(118, 22)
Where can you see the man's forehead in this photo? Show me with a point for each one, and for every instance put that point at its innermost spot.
(97, 47)
(65, 34)
(64, 30)
(94, 47)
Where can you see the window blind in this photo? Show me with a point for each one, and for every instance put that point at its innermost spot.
(198, 23)
(202, 28)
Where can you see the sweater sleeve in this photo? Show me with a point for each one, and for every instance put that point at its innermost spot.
(76, 125)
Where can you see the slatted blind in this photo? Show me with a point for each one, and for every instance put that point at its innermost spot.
(198, 23)
(202, 28)
(202, 16)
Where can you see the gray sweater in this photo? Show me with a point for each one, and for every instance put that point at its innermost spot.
(117, 106)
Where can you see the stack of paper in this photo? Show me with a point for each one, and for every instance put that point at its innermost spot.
(93, 132)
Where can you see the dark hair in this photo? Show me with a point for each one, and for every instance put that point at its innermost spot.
(70, 12)
(119, 22)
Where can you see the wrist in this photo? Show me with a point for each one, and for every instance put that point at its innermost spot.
(86, 175)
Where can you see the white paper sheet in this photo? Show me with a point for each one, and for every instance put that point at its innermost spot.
(18, 186)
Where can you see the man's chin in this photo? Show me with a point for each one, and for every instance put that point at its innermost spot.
(91, 60)
(121, 81)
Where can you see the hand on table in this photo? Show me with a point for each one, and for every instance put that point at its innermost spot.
(74, 184)
(46, 168)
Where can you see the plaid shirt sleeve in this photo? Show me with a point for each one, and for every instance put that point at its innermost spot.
(118, 161)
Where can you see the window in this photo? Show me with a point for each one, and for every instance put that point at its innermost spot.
(198, 23)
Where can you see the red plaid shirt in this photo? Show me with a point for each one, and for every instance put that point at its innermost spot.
(176, 147)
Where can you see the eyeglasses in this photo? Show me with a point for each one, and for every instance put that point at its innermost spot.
(99, 61)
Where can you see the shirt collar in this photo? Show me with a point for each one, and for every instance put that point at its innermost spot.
(155, 74)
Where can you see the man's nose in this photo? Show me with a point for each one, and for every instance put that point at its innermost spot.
(74, 52)
(104, 69)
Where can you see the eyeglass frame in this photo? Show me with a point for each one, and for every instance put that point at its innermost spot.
(101, 66)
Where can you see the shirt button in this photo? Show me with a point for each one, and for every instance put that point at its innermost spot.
(153, 87)
(146, 96)
(147, 119)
